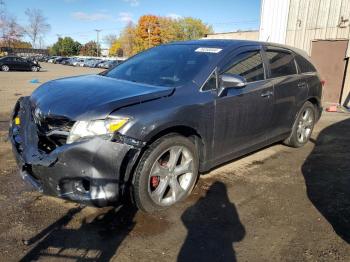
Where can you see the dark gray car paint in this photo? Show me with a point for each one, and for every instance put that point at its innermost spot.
(91, 97)
(229, 126)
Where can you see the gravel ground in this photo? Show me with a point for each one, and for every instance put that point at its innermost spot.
(278, 204)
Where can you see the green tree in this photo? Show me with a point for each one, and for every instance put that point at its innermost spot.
(193, 28)
(65, 47)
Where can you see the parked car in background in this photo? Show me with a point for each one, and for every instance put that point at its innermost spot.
(151, 124)
(10, 63)
(103, 64)
(59, 60)
(66, 61)
(108, 64)
(93, 62)
(78, 62)
(52, 59)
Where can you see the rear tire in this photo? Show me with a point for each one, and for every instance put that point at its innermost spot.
(166, 174)
(303, 126)
(5, 68)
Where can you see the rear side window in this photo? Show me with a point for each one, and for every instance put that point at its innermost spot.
(304, 65)
(281, 63)
(249, 65)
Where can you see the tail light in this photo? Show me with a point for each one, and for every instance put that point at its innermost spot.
(323, 82)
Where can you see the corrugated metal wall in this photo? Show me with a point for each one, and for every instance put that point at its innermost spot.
(317, 19)
(299, 22)
(274, 19)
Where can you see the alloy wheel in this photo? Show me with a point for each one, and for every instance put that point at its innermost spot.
(5, 68)
(172, 176)
(305, 125)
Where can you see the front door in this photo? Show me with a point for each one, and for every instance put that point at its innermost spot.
(243, 115)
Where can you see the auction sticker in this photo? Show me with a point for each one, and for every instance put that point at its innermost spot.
(208, 50)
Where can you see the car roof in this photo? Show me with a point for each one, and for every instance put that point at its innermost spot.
(233, 43)
(217, 43)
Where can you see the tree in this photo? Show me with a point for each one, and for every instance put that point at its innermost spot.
(127, 39)
(9, 28)
(66, 47)
(15, 43)
(11, 31)
(37, 26)
(148, 33)
(193, 28)
(116, 49)
(154, 30)
(110, 39)
(89, 49)
(170, 29)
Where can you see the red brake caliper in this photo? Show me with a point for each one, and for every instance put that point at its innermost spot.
(154, 181)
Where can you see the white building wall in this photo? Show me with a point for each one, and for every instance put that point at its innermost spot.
(274, 20)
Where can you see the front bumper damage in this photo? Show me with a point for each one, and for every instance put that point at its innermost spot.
(94, 171)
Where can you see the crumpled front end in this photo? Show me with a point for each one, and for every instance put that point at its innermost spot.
(91, 171)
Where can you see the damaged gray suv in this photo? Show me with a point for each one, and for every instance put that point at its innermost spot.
(150, 125)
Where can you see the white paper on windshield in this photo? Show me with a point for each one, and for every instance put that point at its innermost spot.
(208, 50)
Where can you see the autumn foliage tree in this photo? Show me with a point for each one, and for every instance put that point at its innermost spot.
(147, 33)
(154, 30)
(116, 48)
(89, 49)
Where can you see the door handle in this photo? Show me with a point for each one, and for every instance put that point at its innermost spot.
(267, 94)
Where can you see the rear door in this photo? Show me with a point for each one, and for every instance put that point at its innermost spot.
(243, 115)
(25, 65)
(289, 88)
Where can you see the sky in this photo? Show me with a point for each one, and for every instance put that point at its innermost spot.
(79, 18)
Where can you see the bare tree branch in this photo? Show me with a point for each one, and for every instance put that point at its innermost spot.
(110, 39)
(37, 26)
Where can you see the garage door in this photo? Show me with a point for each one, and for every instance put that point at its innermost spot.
(328, 56)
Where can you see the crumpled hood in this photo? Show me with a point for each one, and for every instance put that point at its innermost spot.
(91, 96)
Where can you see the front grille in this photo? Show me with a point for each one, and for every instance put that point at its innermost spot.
(52, 130)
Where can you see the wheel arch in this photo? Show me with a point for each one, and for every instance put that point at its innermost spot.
(317, 103)
(185, 131)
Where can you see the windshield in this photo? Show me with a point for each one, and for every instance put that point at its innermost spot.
(167, 65)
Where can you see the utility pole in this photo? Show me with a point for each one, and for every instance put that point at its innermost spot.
(98, 44)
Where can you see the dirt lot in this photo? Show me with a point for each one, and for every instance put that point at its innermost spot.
(16, 84)
(278, 204)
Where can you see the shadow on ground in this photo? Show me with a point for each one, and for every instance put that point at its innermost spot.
(97, 240)
(327, 176)
(213, 227)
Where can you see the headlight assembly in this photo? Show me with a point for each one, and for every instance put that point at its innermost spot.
(107, 127)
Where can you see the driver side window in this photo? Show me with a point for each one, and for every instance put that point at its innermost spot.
(248, 65)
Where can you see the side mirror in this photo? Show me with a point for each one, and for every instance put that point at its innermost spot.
(227, 81)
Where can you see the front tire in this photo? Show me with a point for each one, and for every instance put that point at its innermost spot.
(303, 126)
(166, 174)
(35, 69)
